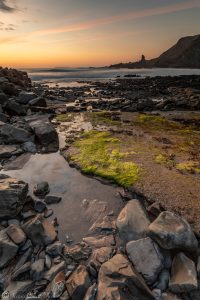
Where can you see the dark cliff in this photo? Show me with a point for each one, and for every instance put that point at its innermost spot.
(184, 54)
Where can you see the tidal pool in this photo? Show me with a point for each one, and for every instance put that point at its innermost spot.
(72, 186)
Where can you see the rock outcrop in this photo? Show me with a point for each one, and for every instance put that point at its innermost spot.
(13, 195)
(184, 54)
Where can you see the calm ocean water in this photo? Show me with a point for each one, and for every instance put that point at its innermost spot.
(68, 75)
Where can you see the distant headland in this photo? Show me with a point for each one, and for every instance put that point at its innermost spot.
(184, 54)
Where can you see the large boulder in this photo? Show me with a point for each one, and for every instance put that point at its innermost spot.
(78, 283)
(172, 232)
(15, 109)
(146, 258)
(13, 195)
(25, 97)
(8, 250)
(132, 222)
(40, 231)
(12, 134)
(183, 275)
(118, 280)
(9, 88)
(45, 133)
(39, 102)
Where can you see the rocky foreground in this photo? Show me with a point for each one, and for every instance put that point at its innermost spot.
(146, 252)
(143, 254)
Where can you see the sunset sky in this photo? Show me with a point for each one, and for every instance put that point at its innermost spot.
(53, 33)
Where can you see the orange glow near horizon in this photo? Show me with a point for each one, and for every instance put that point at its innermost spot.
(29, 38)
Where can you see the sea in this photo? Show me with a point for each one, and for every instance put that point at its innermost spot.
(76, 76)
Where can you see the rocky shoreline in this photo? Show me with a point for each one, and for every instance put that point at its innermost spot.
(146, 252)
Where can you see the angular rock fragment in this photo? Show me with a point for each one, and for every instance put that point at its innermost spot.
(146, 258)
(118, 280)
(172, 232)
(54, 249)
(44, 132)
(57, 286)
(39, 101)
(15, 109)
(21, 271)
(12, 134)
(99, 242)
(6, 151)
(37, 270)
(41, 189)
(132, 222)
(77, 252)
(50, 199)
(78, 283)
(16, 234)
(13, 195)
(25, 97)
(54, 270)
(29, 147)
(163, 280)
(8, 250)
(40, 231)
(39, 206)
(183, 275)
(91, 293)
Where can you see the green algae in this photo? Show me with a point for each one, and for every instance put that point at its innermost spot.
(189, 166)
(164, 159)
(65, 117)
(156, 122)
(101, 118)
(99, 154)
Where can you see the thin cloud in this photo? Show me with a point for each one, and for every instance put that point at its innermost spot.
(121, 17)
(6, 40)
(6, 7)
(7, 27)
